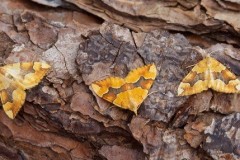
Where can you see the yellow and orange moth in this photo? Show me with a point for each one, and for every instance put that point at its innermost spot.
(128, 92)
(15, 79)
(209, 73)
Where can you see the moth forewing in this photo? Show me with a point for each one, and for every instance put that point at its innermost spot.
(15, 79)
(194, 82)
(130, 92)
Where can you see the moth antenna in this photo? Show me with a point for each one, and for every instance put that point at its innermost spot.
(203, 52)
(103, 77)
(152, 93)
(215, 51)
(199, 50)
(190, 65)
(34, 58)
(192, 47)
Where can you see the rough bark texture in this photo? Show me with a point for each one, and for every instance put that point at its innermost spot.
(88, 40)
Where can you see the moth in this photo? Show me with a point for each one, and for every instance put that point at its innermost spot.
(15, 79)
(129, 92)
(209, 73)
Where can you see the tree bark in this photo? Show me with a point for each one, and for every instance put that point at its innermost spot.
(85, 41)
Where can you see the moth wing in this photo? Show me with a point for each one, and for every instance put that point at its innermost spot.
(223, 79)
(108, 88)
(130, 92)
(131, 99)
(12, 96)
(147, 72)
(27, 74)
(186, 89)
(133, 94)
(196, 80)
(14, 79)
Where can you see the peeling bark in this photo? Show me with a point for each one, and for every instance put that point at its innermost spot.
(63, 119)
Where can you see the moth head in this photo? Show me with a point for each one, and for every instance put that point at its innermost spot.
(200, 50)
(203, 51)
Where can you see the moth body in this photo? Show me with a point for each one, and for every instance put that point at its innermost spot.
(215, 76)
(128, 92)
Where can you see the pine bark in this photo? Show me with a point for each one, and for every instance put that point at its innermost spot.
(87, 40)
